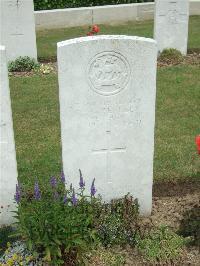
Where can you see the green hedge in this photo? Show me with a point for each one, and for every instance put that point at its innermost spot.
(54, 4)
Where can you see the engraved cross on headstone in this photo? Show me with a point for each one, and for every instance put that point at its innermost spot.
(16, 28)
(109, 149)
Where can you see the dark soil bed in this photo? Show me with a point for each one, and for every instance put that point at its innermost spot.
(171, 201)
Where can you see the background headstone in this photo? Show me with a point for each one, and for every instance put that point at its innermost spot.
(171, 24)
(17, 31)
(107, 90)
(8, 165)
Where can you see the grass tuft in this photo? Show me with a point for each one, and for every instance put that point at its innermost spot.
(171, 56)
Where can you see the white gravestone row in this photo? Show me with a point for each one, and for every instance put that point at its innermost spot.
(8, 165)
(171, 24)
(107, 90)
(18, 28)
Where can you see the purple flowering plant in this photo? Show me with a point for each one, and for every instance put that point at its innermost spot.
(57, 219)
(37, 193)
(17, 196)
(81, 182)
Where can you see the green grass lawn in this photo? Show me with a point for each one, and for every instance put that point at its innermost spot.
(37, 125)
(47, 39)
(36, 110)
(37, 128)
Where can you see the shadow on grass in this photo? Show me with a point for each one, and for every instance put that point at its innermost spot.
(190, 225)
(176, 188)
(50, 59)
(193, 50)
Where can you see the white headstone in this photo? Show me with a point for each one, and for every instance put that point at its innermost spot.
(171, 24)
(107, 87)
(8, 165)
(17, 31)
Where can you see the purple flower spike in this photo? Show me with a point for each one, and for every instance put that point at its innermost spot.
(81, 182)
(93, 189)
(17, 194)
(65, 199)
(62, 177)
(53, 181)
(37, 193)
(74, 199)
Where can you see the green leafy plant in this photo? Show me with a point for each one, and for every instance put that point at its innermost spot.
(22, 64)
(161, 244)
(117, 222)
(57, 223)
(171, 56)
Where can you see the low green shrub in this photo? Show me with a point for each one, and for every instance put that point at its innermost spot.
(161, 244)
(52, 4)
(22, 64)
(57, 223)
(171, 56)
(117, 223)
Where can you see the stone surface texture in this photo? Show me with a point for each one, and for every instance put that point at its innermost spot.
(145, 11)
(63, 18)
(107, 90)
(17, 31)
(171, 24)
(8, 173)
(114, 14)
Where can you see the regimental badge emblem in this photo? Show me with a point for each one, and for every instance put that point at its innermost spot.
(108, 73)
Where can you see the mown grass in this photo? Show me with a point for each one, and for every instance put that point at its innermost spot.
(177, 122)
(47, 39)
(37, 127)
(193, 34)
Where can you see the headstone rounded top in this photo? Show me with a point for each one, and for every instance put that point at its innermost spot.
(105, 37)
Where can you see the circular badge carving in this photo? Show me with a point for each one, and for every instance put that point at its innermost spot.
(108, 73)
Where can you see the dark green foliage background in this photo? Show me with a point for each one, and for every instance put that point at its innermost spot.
(54, 4)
